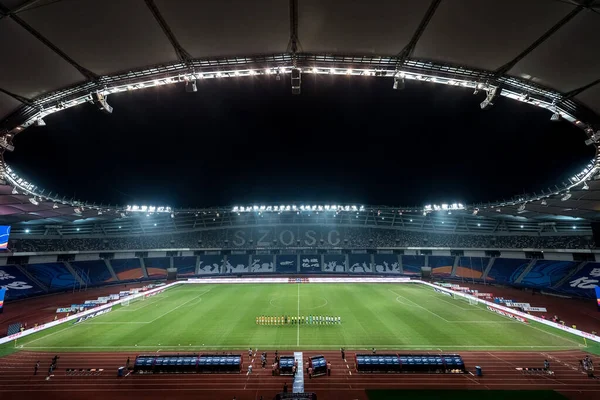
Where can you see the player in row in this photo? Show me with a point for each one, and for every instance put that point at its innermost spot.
(293, 320)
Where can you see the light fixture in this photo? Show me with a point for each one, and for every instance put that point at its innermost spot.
(521, 226)
(190, 86)
(33, 201)
(478, 224)
(26, 230)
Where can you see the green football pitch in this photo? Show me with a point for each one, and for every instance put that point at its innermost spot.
(197, 317)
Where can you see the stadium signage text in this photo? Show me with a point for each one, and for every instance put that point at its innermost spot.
(63, 310)
(519, 305)
(507, 314)
(266, 237)
(15, 285)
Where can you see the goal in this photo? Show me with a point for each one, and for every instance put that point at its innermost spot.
(128, 301)
(470, 300)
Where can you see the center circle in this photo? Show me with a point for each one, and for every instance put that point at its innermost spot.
(275, 302)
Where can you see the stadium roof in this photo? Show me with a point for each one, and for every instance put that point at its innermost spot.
(83, 46)
(58, 53)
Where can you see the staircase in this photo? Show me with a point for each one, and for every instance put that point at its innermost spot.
(110, 269)
(143, 265)
(570, 274)
(32, 278)
(526, 271)
(488, 268)
(75, 274)
(456, 260)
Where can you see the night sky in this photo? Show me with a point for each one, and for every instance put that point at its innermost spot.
(344, 140)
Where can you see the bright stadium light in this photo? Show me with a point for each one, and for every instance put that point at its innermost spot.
(33, 201)
(99, 100)
(490, 97)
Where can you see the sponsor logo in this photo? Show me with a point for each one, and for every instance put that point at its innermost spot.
(507, 314)
(63, 310)
(89, 316)
(520, 305)
(535, 309)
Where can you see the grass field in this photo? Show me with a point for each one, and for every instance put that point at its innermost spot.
(385, 316)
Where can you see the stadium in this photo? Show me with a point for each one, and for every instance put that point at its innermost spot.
(305, 298)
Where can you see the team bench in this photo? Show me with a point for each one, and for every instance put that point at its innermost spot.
(188, 363)
(398, 363)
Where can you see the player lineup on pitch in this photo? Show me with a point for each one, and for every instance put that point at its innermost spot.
(324, 316)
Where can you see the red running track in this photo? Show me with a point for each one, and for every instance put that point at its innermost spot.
(17, 380)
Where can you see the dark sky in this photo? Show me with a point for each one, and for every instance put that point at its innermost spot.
(344, 140)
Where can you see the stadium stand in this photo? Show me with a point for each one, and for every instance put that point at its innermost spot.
(507, 270)
(127, 269)
(386, 264)
(471, 267)
(334, 263)
(441, 266)
(186, 266)
(318, 238)
(286, 264)
(210, 264)
(52, 275)
(94, 272)
(360, 263)
(583, 282)
(547, 273)
(156, 267)
(236, 263)
(411, 265)
(18, 284)
(310, 263)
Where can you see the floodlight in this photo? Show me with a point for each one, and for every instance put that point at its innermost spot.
(566, 197)
(54, 206)
(77, 211)
(398, 83)
(296, 80)
(190, 86)
(33, 201)
(521, 207)
(6, 142)
(585, 186)
(40, 122)
(14, 191)
(100, 101)
(556, 117)
(544, 202)
(491, 96)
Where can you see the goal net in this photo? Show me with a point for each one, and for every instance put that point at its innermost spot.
(125, 303)
(469, 300)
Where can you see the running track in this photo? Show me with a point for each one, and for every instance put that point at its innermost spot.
(17, 380)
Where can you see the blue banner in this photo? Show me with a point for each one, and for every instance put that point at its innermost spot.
(4, 235)
(2, 293)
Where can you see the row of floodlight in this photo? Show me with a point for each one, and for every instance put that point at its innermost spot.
(293, 207)
(99, 97)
